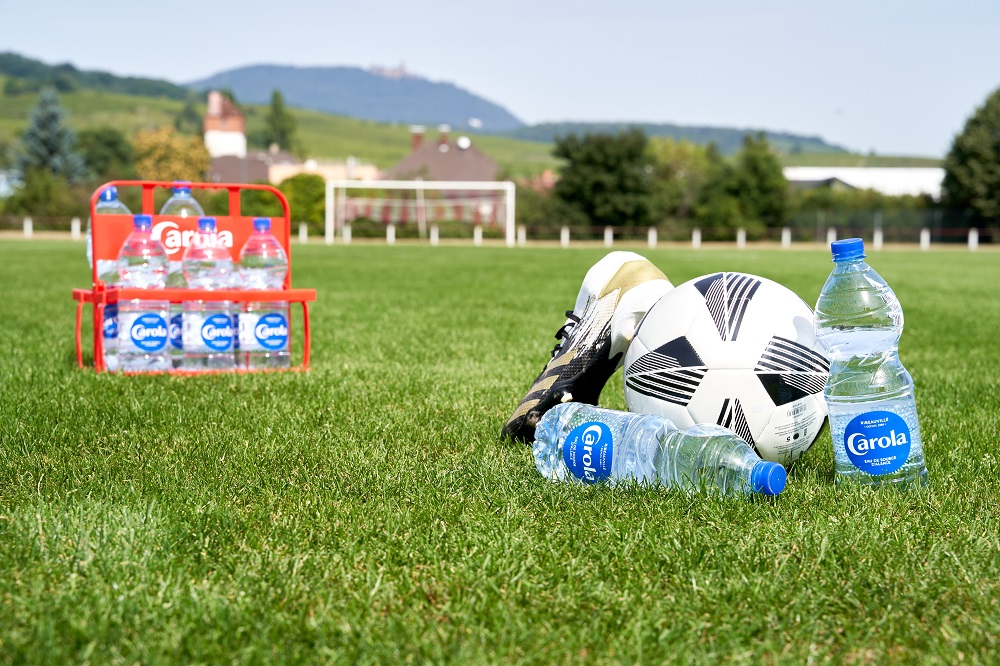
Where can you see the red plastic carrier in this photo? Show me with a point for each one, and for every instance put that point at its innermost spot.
(110, 231)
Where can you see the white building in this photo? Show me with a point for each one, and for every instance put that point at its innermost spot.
(225, 128)
(895, 181)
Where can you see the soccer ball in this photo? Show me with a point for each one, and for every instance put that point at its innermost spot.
(736, 350)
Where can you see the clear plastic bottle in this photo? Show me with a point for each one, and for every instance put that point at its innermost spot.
(207, 326)
(181, 204)
(107, 270)
(142, 264)
(586, 444)
(873, 414)
(263, 326)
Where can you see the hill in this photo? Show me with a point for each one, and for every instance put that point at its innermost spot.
(727, 139)
(391, 96)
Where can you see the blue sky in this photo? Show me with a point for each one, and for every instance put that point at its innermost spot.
(884, 75)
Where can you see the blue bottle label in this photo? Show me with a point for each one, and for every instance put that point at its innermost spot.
(147, 332)
(217, 332)
(176, 337)
(271, 332)
(588, 451)
(110, 323)
(877, 442)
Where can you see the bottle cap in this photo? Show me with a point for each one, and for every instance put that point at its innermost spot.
(143, 222)
(768, 478)
(849, 248)
(109, 193)
(261, 224)
(181, 187)
(206, 224)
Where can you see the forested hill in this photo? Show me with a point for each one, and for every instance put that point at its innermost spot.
(727, 139)
(26, 75)
(384, 95)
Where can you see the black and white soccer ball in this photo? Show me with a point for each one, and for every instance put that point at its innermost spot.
(736, 350)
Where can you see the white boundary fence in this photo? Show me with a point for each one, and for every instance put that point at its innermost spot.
(336, 201)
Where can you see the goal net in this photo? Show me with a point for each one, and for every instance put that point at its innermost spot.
(423, 204)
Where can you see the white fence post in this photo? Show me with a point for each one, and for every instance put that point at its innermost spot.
(786, 238)
(346, 234)
(741, 239)
(609, 236)
(877, 239)
(522, 236)
(390, 234)
(435, 235)
(831, 235)
(29, 227)
(696, 238)
(925, 239)
(651, 238)
(564, 237)
(477, 235)
(303, 233)
(74, 228)
(973, 238)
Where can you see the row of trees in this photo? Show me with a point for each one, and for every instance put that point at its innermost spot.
(59, 168)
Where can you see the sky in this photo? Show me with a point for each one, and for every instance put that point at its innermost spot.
(893, 77)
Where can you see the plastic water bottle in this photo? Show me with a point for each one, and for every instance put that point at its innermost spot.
(263, 326)
(181, 204)
(207, 326)
(142, 264)
(873, 415)
(107, 270)
(586, 444)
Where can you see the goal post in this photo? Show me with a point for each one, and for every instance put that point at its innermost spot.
(422, 202)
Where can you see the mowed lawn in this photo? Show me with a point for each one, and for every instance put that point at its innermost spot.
(368, 512)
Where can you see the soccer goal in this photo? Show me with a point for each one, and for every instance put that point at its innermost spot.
(424, 203)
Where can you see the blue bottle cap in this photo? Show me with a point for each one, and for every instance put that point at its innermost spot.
(206, 224)
(181, 187)
(261, 224)
(849, 248)
(768, 478)
(109, 193)
(143, 222)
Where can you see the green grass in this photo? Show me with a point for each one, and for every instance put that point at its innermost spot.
(368, 512)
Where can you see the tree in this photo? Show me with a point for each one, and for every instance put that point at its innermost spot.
(607, 177)
(280, 124)
(972, 167)
(48, 144)
(47, 194)
(163, 154)
(188, 120)
(107, 153)
(306, 195)
(680, 169)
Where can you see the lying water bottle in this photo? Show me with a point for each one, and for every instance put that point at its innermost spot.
(873, 414)
(586, 444)
(207, 326)
(263, 326)
(142, 264)
(107, 270)
(181, 204)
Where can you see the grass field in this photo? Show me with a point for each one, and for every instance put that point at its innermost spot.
(368, 512)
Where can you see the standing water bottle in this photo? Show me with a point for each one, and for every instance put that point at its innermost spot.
(180, 204)
(263, 326)
(142, 264)
(107, 270)
(586, 444)
(208, 325)
(873, 416)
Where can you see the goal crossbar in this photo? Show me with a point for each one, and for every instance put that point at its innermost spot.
(336, 198)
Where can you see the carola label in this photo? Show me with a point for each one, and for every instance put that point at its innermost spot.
(588, 451)
(877, 442)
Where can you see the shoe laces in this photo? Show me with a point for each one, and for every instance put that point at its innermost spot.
(565, 331)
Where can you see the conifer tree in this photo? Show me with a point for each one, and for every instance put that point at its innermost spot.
(48, 144)
(280, 124)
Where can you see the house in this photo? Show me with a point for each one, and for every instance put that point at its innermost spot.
(443, 159)
(225, 127)
(894, 181)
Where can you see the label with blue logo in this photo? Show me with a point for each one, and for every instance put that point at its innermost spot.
(147, 332)
(110, 324)
(588, 451)
(267, 332)
(877, 442)
(217, 332)
(176, 331)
